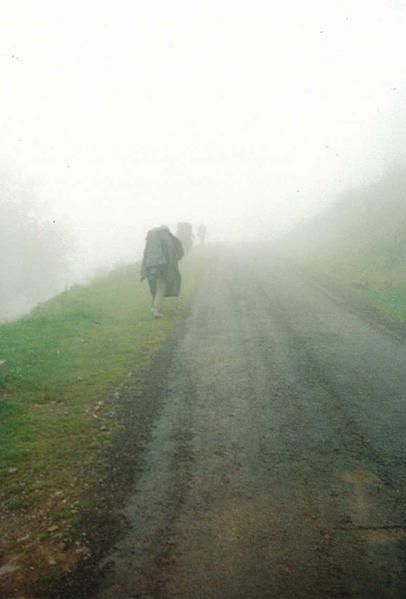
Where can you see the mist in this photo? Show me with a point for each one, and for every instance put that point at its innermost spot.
(251, 118)
(35, 250)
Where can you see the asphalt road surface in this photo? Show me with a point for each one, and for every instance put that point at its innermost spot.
(275, 467)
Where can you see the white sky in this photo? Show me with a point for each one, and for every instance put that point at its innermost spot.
(245, 115)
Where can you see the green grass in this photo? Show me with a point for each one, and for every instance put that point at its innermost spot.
(63, 358)
(392, 301)
(382, 284)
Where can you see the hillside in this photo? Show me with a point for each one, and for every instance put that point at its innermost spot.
(360, 241)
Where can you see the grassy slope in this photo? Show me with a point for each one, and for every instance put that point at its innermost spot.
(58, 396)
(361, 243)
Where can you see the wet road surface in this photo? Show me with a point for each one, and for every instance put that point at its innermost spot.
(276, 465)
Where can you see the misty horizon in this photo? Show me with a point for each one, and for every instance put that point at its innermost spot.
(248, 118)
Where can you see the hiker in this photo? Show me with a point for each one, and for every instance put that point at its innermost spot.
(202, 233)
(160, 266)
(184, 232)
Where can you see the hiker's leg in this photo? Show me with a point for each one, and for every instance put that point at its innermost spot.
(159, 292)
(152, 287)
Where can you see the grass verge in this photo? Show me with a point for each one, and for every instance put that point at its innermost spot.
(380, 286)
(65, 364)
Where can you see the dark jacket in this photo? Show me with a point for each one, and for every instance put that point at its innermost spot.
(161, 256)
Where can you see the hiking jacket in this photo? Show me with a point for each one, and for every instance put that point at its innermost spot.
(161, 256)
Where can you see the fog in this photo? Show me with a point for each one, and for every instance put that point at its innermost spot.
(248, 116)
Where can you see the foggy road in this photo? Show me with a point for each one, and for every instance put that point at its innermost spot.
(276, 464)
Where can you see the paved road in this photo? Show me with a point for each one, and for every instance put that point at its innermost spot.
(276, 465)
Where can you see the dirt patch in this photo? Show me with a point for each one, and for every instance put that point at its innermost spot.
(34, 546)
(361, 483)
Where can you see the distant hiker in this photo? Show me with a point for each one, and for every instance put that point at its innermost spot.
(184, 232)
(202, 233)
(160, 266)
